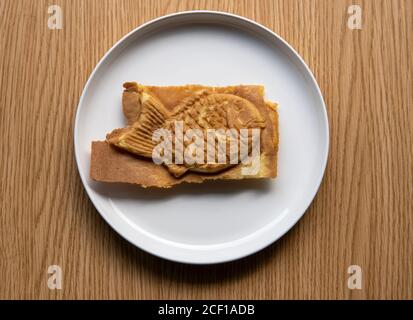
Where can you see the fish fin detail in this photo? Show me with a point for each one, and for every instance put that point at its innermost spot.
(137, 137)
(131, 103)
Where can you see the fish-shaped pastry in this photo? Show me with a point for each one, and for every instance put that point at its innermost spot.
(203, 110)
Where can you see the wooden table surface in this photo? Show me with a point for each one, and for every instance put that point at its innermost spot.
(362, 214)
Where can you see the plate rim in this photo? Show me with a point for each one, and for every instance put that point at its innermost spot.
(239, 253)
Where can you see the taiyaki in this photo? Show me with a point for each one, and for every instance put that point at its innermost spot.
(125, 155)
(205, 112)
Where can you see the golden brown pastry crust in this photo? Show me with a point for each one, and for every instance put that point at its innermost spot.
(109, 164)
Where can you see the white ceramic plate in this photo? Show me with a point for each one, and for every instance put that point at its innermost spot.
(221, 221)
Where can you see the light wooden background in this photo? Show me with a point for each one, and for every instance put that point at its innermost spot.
(363, 213)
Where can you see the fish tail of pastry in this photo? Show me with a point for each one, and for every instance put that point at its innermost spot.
(137, 137)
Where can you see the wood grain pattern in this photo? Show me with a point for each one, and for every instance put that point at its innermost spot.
(363, 213)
